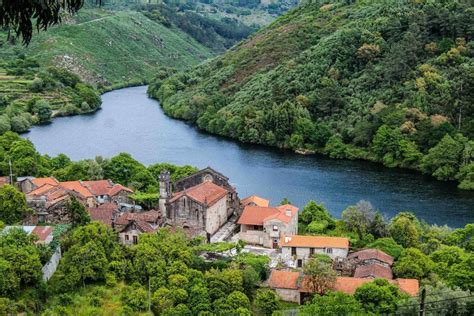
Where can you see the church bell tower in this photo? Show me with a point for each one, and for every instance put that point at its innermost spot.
(165, 191)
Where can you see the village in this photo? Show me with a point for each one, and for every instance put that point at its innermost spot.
(206, 205)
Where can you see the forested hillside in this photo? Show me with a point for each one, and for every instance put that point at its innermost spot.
(112, 47)
(387, 81)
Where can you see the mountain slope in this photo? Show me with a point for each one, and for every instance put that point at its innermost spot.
(112, 47)
(385, 81)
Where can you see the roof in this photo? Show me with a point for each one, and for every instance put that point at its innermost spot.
(374, 270)
(4, 180)
(77, 186)
(42, 189)
(284, 279)
(204, 193)
(41, 181)
(207, 169)
(348, 285)
(148, 216)
(43, 232)
(256, 201)
(103, 213)
(105, 187)
(367, 254)
(258, 215)
(141, 225)
(314, 242)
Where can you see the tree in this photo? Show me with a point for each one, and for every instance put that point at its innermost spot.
(135, 297)
(266, 301)
(462, 275)
(12, 205)
(443, 160)
(462, 237)
(77, 213)
(378, 297)
(316, 212)
(359, 217)
(19, 16)
(44, 111)
(319, 274)
(333, 303)
(404, 229)
(413, 264)
(285, 201)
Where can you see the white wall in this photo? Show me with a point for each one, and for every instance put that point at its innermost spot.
(304, 253)
(216, 215)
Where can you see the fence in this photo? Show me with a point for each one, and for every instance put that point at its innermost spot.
(49, 268)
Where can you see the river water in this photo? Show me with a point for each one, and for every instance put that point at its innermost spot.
(131, 122)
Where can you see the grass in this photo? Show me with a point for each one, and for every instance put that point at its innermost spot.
(113, 47)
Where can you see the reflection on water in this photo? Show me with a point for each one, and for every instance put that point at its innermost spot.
(131, 122)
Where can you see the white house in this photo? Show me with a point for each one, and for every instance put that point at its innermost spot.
(298, 248)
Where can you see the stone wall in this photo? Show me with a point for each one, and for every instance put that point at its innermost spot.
(288, 295)
(50, 267)
(216, 216)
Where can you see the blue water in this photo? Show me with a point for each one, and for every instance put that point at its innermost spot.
(131, 122)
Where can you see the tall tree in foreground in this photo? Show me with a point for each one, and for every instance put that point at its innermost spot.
(19, 16)
(12, 205)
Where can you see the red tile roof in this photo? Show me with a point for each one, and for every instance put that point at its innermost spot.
(78, 187)
(348, 285)
(105, 187)
(367, 254)
(255, 201)
(4, 180)
(103, 213)
(148, 216)
(314, 242)
(43, 232)
(206, 192)
(41, 181)
(374, 270)
(284, 279)
(258, 215)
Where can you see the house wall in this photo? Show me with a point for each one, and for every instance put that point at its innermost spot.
(121, 197)
(26, 186)
(186, 212)
(255, 237)
(55, 214)
(131, 231)
(216, 216)
(304, 253)
(288, 295)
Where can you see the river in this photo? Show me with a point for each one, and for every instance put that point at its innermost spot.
(131, 122)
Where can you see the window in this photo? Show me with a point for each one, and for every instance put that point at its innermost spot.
(135, 240)
(311, 251)
(293, 251)
(275, 228)
(328, 250)
(41, 218)
(299, 263)
(126, 237)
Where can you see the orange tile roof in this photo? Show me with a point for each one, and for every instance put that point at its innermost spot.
(78, 187)
(254, 199)
(374, 270)
(349, 285)
(284, 279)
(42, 181)
(4, 180)
(42, 232)
(314, 241)
(367, 254)
(409, 286)
(41, 190)
(206, 192)
(258, 215)
(104, 187)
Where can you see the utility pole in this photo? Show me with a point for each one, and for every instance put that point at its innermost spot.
(422, 302)
(149, 297)
(11, 171)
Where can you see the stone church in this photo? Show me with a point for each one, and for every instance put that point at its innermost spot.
(202, 202)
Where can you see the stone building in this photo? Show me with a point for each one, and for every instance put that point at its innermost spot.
(131, 225)
(263, 225)
(203, 201)
(371, 263)
(297, 249)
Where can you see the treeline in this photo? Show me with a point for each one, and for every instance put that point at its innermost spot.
(31, 94)
(123, 168)
(216, 34)
(395, 89)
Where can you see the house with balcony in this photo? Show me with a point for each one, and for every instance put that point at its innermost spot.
(264, 225)
(297, 249)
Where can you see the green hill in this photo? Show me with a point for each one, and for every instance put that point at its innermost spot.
(113, 47)
(387, 81)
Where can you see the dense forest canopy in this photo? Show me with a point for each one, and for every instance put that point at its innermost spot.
(389, 81)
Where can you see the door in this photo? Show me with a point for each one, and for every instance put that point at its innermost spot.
(275, 243)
